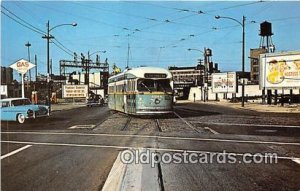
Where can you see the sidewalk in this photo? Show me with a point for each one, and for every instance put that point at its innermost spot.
(295, 108)
(68, 106)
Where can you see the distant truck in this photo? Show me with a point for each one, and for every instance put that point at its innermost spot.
(280, 70)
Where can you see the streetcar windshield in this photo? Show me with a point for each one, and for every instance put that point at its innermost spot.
(154, 85)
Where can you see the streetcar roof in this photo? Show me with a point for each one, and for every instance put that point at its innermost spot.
(141, 71)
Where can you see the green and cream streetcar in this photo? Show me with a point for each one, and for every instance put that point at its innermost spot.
(141, 91)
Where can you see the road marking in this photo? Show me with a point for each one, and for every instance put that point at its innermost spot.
(186, 122)
(296, 160)
(115, 176)
(82, 127)
(149, 148)
(211, 130)
(245, 124)
(15, 152)
(266, 130)
(131, 176)
(160, 137)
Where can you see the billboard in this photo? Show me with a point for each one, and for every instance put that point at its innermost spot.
(280, 70)
(224, 82)
(74, 91)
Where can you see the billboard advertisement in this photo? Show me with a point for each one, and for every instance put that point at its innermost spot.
(224, 82)
(74, 91)
(280, 70)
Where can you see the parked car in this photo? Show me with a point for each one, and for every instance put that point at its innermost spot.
(21, 109)
(95, 100)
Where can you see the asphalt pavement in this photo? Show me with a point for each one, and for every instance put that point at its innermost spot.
(50, 155)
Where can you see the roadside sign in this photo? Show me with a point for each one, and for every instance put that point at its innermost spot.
(280, 70)
(3, 90)
(224, 82)
(75, 91)
(22, 66)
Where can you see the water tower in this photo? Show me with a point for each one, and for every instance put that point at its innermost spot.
(266, 37)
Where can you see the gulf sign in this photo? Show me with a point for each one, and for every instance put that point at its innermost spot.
(22, 66)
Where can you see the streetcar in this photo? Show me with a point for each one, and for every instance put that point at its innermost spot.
(141, 91)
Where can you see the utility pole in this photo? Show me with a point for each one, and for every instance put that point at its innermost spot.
(128, 49)
(36, 69)
(243, 62)
(28, 48)
(243, 51)
(28, 86)
(48, 37)
(205, 75)
(88, 71)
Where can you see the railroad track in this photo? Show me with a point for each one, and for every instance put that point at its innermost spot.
(158, 125)
(187, 123)
(126, 124)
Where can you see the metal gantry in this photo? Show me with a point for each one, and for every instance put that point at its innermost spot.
(85, 65)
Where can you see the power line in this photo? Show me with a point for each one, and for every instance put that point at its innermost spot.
(37, 29)
(71, 52)
(62, 48)
(32, 29)
(86, 18)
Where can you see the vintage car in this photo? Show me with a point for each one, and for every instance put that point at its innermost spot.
(20, 109)
(95, 100)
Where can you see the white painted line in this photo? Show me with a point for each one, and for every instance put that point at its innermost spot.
(149, 148)
(132, 176)
(211, 130)
(15, 152)
(245, 124)
(296, 160)
(82, 127)
(115, 176)
(159, 137)
(186, 122)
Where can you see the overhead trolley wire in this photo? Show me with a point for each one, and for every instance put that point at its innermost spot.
(30, 28)
(34, 29)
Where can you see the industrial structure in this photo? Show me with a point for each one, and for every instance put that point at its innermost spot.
(80, 72)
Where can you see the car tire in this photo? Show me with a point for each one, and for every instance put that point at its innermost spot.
(21, 118)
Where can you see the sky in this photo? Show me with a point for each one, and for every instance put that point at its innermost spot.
(158, 32)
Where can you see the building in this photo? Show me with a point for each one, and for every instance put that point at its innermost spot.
(186, 77)
(6, 75)
(9, 86)
(254, 64)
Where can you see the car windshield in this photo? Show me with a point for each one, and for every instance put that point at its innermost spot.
(20, 102)
(154, 85)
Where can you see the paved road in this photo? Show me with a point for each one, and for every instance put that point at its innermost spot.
(51, 156)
